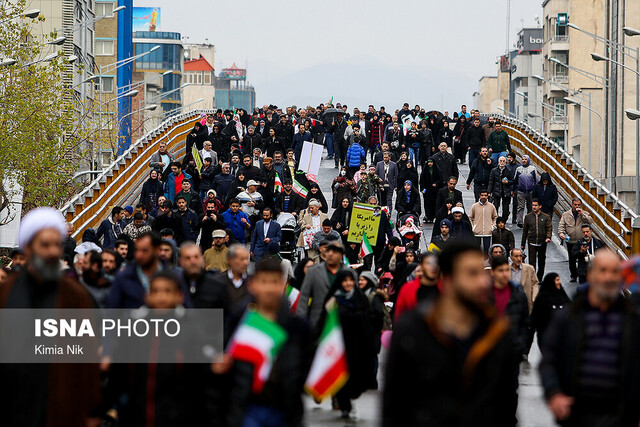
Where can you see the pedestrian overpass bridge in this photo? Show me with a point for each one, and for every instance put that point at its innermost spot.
(120, 183)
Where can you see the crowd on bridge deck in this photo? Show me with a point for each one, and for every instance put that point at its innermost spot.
(236, 225)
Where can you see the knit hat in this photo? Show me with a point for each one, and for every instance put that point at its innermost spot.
(129, 209)
(445, 222)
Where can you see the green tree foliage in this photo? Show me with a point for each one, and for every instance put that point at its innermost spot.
(44, 132)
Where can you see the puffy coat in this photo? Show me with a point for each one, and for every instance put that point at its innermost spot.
(355, 154)
(496, 187)
(525, 178)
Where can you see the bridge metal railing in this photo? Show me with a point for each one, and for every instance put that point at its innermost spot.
(119, 183)
(614, 221)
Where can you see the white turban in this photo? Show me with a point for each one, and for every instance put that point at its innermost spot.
(37, 220)
(457, 209)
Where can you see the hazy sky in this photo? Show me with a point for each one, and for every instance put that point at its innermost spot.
(423, 52)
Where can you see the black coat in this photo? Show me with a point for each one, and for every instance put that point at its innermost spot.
(407, 174)
(549, 300)
(496, 187)
(562, 348)
(173, 223)
(206, 179)
(151, 190)
(548, 194)
(447, 165)
(480, 172)
(251, 142)
(427, 383)
(474, 137)
(357, 322)
(296, 203)
(413, 205)
(428, 179)
(443, 194)
(518, 313)
(445, 135)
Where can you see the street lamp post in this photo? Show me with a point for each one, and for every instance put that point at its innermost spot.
(598, 57)
(574, 92)
(33, 13)
(553, 110)
(578, 104)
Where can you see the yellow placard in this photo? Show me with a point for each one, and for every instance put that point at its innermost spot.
(196, 158)
(364, 219)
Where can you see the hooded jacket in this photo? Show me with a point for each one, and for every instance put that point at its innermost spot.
(548, 195)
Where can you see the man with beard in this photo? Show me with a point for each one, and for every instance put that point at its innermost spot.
(46, 394)
(93, 278)
(215, 257)
(445, 162)
(434, 349)
(591, 353)
(421, 289)
(131, 284)
(205, 292)
(287, 200)
(109, 264)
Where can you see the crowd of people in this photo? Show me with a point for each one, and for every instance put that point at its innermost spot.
(247, 229)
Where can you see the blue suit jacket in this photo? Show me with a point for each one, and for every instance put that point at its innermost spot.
(258, 246)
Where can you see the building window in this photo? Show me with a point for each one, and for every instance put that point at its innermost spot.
(105, 47)
(207, 79)
(525, 99)
(104, 9)
(107, 84)
(559, 109)
(199, 81)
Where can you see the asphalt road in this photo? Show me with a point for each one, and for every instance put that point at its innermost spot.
(532, 410)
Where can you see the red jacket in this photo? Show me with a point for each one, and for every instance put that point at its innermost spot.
(408, 297)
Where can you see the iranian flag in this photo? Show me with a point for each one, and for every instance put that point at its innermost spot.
(277, 187)
(329, 370)
(293, 296)
(365, 249)
(299, 189)
(257, 340)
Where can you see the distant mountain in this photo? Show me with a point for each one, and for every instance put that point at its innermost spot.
(361, 83)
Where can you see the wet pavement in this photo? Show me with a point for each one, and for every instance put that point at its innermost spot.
(532, 410)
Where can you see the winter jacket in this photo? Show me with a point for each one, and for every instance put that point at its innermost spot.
(475, 137)
(170, 186)
(536, 228)
(517, 312)
(425, 380)
(355, 154)
(194, 202)
(251, 142)
(190, 224)
(443, 194)
(480, 172)
(496, 187)
(499, 142)
(562, 352)
(298, 142)
(446, 164)
(483, 218)
(571, 225)
(110, 231)
(172, 222)
(208, 175)
(426, 141)
(234, 222)
(548, 195)
(369, 185)
(526, 178)
(315, 287)
(221, 184)
(503, 237)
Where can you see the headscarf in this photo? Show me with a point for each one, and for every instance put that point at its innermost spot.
(408, 193)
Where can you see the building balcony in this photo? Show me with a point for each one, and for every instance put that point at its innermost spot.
(559, 43)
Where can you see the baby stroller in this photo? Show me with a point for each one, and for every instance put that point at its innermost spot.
(290, 231)
(409, 229)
